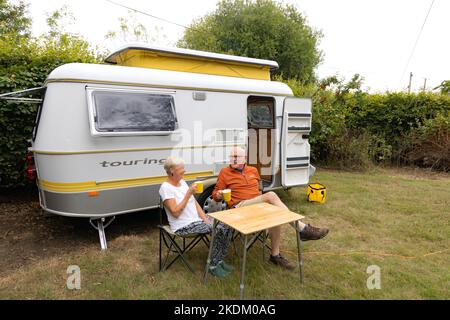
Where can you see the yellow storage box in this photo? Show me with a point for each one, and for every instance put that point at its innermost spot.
(316, 192)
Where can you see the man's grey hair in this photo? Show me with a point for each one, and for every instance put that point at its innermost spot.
(172, 162)
(239, 150)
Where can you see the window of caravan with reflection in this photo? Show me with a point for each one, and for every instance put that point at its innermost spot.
(133, 112)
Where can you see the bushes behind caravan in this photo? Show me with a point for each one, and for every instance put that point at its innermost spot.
(25, 63)
(354, 129)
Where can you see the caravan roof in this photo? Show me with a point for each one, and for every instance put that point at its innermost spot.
(113, 57)
(186, 60)
(155, 78)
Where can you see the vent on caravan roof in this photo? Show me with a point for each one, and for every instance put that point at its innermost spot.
(186, 60)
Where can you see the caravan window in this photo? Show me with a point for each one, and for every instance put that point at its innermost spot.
(260, 112)
(133, 111)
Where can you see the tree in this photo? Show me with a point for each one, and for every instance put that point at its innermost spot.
(63, 46)
(13, 19)
(444, 87)
(259, 29)
(131, 29)
(58, 20)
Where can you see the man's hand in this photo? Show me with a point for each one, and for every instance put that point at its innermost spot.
(219, 195)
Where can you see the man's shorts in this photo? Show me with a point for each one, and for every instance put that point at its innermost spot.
(249, 202)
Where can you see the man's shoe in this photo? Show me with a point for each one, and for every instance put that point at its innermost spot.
(218, 271)
(313, 233)
(281, 261)
(225, 266)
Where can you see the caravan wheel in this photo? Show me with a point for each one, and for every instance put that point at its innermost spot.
(207, 202)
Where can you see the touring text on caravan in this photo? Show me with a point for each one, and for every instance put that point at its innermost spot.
(105, 164)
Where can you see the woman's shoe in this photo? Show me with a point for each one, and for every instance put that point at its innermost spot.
(227, 267)
(218, 271)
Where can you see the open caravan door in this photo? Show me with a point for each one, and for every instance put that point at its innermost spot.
(295, 149)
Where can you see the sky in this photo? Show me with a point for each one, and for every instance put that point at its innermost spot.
(374, 38)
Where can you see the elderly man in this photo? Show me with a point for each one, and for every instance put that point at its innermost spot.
(243, 180)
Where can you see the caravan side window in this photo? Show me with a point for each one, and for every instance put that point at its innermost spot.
(122, 111)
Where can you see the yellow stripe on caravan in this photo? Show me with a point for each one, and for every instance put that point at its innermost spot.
(131, 150)
(112, 184)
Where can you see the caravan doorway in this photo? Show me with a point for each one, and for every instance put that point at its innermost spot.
(261, 123)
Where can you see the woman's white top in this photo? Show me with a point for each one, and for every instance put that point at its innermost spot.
(189, 213)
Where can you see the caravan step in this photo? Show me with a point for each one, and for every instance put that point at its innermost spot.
(299, 115)
(299, 128)
(298, 165)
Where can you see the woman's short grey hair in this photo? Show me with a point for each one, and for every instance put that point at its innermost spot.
(172, 162)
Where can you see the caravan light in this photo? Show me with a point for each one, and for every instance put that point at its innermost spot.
(93, 193)
(31, 170)
(30, 158)
(31, 173)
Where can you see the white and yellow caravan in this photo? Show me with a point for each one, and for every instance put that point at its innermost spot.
(103, 130)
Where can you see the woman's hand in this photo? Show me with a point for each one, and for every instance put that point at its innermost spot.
(201, 213)
(192, 189)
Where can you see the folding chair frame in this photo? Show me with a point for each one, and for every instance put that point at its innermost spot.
(170, 241)
(261, 236)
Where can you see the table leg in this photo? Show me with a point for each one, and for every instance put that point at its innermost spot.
(264, 245)
(244, 258)
(208, 260)
(299, 250)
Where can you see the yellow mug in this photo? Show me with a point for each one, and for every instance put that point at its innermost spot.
(199, 185)
(226, 193)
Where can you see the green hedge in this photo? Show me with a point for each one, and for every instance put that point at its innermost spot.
(25, 63)
(355, 129)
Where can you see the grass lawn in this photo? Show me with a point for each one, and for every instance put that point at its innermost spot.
(397, 220)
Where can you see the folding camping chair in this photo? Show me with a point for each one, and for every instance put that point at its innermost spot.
(178, 245)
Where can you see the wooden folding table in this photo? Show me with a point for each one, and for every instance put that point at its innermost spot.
(253, 219)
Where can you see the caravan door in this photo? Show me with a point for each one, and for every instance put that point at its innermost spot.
(294, 141)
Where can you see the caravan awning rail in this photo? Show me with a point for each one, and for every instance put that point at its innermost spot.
(15, 96)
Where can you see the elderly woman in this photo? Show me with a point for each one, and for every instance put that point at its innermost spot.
(187, 217)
